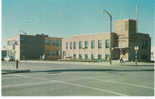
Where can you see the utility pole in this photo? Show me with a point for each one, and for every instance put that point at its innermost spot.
(110, 16)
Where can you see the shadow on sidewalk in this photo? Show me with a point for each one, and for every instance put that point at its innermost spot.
(95, 70)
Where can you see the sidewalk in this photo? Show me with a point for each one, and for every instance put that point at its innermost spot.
(114, 63)
(11, 68)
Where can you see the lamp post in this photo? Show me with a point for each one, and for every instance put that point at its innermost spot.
(110, 16)
(137, 15)
(136, 50)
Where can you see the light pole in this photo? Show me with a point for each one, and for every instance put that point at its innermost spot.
(137, 15)
(105, 11)
(136, 50)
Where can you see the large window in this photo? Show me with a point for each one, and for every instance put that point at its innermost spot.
(80, 44)
(58, 43)
(86, 44)
(99, 57)
(57, 53)
(80, 56)
(92, 57)
(74, 56)
(86, 56)
(70, 45)
(107, 43)
(14, 46)
(74, 45)
(66, 45)
(99, 43)
(92, 44)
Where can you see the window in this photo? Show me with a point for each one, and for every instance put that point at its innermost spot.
(74, 45)
(80, 56)
(86, 44)
(99, 57)
(70, 45)
(13, 46)
(92, 57)
(107, 43)
(58, 43)
(107, 56)
(99, 43)
(66, 45)
(74, 56)
(57, 52)
(21, 38)
(80, 44)
(92, 44)
(86, 56)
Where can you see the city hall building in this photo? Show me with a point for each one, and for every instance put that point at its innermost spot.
(101, 46)
(33, 47)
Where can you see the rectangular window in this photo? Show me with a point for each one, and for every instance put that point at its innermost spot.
(74, 56)
(80, 56)
(66, 45)
(92, 44)
(14, 46)
(86, 44)
(70, 45)
(74, 45)
(80, 44)
(86, 56)
(58, 43)
(99, 43)
(107, 56)
(107, 43)
(57, 53)
(99, 57)
(92, 57)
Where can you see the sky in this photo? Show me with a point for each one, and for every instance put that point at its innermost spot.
(64, 18)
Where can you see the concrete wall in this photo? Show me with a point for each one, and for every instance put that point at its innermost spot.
(89, 51)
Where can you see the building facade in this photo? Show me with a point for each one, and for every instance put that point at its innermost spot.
(29, 47)
(128, 38)
(97, 46)
(53, 48)
(89, 47)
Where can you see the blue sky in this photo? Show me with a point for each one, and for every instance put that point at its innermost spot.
(63, 18)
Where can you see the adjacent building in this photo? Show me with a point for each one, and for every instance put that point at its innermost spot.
(30, 47)
(88, 47)
(128, 38)
(53, 48)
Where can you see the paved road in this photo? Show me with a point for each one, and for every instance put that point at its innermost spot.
(52, 79)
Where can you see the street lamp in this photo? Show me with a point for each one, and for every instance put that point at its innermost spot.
(136, 50)
(137, 15)
(105, 11)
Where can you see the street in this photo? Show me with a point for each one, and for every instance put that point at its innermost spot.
(63, 79)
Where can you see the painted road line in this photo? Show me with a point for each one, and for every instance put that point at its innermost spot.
(93, 88)
(28, 84)
(58, 81)
(123, 83)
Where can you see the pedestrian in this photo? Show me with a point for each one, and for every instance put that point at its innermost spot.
(121, 60)
(17, 62)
